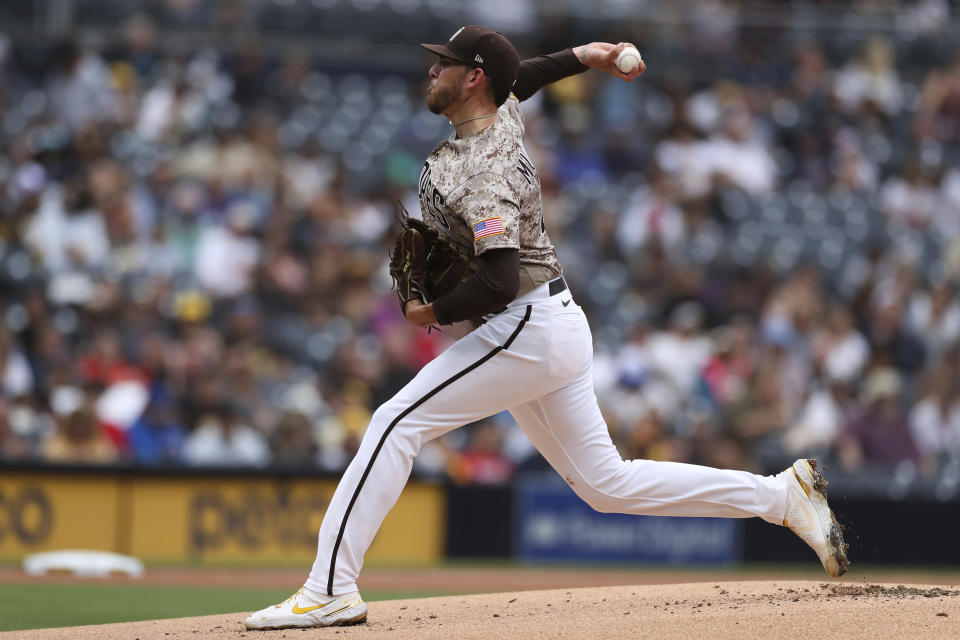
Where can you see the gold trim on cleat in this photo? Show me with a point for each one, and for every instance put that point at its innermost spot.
(349, 621)
(343, 608)
(803, 484)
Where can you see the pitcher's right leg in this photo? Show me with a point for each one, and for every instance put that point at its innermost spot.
(567, 427)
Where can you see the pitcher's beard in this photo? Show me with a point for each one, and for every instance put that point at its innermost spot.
(439, 98)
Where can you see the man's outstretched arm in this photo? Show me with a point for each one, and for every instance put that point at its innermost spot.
(536, 73)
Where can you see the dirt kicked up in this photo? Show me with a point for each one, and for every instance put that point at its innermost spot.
(699, 611)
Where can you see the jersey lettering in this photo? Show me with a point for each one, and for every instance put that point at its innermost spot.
(431, 200)
(525, 166)
(424, 179)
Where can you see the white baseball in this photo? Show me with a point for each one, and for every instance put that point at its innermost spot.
(628, 59)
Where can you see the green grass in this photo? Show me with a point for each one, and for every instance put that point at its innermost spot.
(36, 606)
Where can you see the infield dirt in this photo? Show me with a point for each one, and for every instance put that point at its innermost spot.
(706, 610)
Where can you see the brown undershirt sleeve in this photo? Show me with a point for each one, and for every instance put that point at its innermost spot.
(536, 73)
(489, 289)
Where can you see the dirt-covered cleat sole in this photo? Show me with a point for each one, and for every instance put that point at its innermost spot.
(810, 517)
(300, 611)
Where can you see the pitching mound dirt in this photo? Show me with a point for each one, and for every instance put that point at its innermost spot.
(714, 610)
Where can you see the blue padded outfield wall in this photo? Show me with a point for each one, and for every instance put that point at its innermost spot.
(551, 523)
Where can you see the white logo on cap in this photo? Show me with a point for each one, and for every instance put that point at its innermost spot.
(478, 59)
(456, 34)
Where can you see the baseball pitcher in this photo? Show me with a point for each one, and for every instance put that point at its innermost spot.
(482, 253)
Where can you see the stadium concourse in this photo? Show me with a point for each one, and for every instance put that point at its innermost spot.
(193, 260)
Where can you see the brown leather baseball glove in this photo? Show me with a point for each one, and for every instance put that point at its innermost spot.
(424, 265)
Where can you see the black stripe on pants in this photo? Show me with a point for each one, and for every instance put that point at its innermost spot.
(403, 414)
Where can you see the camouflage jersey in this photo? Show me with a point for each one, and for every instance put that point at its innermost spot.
(482, 192)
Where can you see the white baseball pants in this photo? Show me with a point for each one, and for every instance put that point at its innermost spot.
(533, 359)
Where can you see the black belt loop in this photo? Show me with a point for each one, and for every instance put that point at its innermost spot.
(557, 286)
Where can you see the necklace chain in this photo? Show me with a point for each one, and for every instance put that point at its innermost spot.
(457, 124)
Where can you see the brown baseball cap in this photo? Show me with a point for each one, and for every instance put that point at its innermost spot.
(484, 49)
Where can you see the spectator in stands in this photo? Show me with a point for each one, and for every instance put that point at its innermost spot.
(222, 439)
(349, 419)
(879, 436)
(935, 421)
(105, 363)
(227, 257)
(81, 92)
(157, 438)
(16, 377)
(651, 217)
(910, 200)
(795, 308)
(12, 445)
(891, 342)
(852, 169)
(738, 158)
(680, 155)
(764, 408)
(727, 373)
(810, 79)
(822, 418)
(870, 84)
(647, 437)
(139, 48)
(938, 110)
(681, 352)
(838, 348)
(482, 461)
(79, 437)
(293, 444)
(934, 316)
(67, 232)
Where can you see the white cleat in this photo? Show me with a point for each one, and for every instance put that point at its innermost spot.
(300, 611)
(809, 516)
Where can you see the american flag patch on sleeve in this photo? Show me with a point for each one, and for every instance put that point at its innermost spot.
(488, 227)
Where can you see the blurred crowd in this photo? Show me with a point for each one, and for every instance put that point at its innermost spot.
(193, 253)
